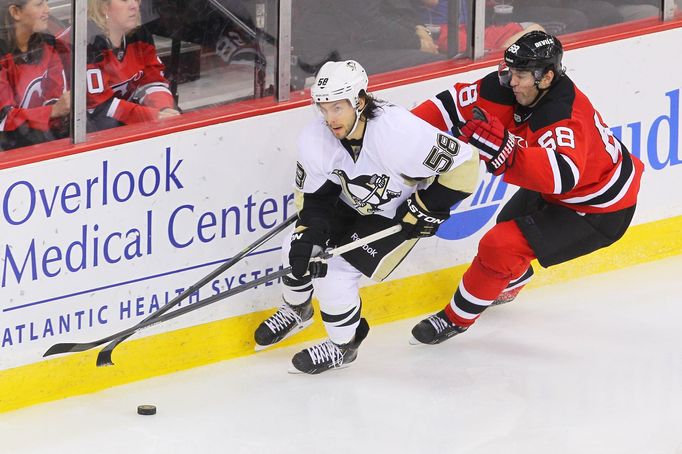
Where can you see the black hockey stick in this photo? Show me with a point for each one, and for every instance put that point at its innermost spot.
(105, 355)
(79, 347)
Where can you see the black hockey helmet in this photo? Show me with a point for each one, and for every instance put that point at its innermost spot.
(535, 51)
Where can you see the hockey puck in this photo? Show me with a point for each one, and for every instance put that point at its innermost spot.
(146, 410)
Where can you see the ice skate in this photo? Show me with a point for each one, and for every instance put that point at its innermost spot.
(435, 329)
(328, 355)
(287, 321)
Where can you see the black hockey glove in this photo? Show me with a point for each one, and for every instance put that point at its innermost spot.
(307, 243)
(417, 220)
(497, 145)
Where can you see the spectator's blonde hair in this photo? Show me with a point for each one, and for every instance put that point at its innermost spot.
(97, 15)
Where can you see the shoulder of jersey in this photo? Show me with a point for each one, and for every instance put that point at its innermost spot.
(141, 35)
(48, 39)
(391, 117)
(4, 49)
(558, 106)
(491, 90)
(97, 43)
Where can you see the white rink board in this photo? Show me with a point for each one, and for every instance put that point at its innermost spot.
(247, 167)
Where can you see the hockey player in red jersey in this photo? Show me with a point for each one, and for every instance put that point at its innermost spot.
(578, 183)
(125, 76)
(34, 103)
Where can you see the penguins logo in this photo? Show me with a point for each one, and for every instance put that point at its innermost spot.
(367, 193)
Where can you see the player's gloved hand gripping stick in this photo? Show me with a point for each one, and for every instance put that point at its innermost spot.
(160, 318)
(417, 220)
(307, 243)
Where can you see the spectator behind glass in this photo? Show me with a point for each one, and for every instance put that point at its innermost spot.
(125, 76)
(569, 16)
(34, 103)
(497, 36)
(384, 34)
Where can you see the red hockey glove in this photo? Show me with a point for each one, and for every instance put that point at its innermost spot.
(497, 145)
(417, 220)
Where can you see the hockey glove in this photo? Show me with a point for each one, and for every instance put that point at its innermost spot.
(307, 243)
(417, 220)
(497, 145)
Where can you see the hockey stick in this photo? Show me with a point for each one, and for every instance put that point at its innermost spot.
(104, 356)
(64, 348)
(79, 347)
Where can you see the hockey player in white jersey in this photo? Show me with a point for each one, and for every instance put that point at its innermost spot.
(363, 165)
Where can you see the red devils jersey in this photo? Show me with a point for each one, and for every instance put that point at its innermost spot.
(570, 155)
(29, 82)
(126, 84)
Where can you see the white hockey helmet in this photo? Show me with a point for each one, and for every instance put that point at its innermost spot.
(338, 80)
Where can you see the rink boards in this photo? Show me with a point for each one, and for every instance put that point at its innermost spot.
(93, 243)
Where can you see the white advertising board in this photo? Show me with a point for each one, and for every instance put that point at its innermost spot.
(93, 243)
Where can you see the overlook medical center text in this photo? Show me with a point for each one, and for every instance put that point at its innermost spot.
(75, 225)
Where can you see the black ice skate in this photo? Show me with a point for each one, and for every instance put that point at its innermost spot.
(435, 329)
(328, 355)
(287, 321)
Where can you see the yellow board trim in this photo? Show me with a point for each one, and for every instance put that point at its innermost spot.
(139, 359)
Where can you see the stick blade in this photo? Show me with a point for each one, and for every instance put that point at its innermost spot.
(68, 347)
(104, 358)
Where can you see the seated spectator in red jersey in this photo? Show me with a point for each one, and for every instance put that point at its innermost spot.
(34, 103)
(498, 34)
(125, 76)
(495, 36)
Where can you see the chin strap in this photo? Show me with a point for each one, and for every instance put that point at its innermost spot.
(358, 112)
(541, 91)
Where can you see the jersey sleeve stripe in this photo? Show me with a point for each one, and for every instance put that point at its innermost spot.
(4, 113)
(556, 175)
(112, 107)
(151, 85)
(617, 198)
(154, 90)
(573, 169)
(614, 190)
(443, 113)
(568, 173)
(150, 88)
(447, 103)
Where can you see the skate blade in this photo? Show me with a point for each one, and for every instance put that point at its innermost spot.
(293, 371)
(414, 341)
(296, 330)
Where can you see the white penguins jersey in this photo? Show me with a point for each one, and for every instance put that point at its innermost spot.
(399, 152)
